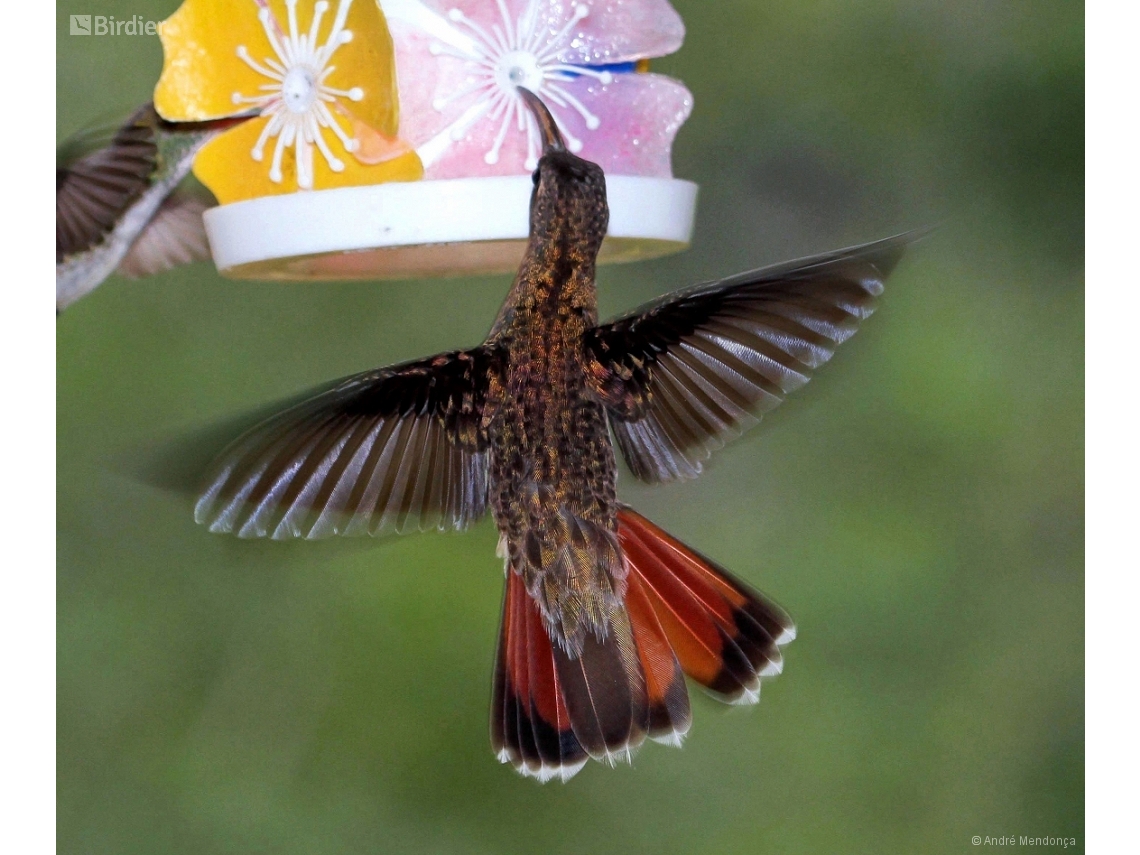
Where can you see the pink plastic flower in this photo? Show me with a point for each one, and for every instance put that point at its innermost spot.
(459, 63)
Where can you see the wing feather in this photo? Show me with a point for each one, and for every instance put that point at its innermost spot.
(391, 450)
(176, 235)
(688, 372)
(94, 189)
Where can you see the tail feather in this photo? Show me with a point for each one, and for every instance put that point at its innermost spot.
(530, 722)
(605, 694)
(553, 709)
(558, 748)
(525, 742)
(669, 713)
(725, 635)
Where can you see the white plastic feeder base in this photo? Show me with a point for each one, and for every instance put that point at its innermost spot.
(463, 226)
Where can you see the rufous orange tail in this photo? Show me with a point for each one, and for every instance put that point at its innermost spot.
(684, 615)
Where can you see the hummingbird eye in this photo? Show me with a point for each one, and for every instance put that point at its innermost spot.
(535, 176)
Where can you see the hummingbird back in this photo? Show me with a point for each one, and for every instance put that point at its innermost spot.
(586, 667)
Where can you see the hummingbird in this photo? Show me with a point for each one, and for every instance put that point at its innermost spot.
(604, 613)
(121, 205)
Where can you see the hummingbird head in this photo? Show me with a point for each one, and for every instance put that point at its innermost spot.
(180, 142)
(568, 204)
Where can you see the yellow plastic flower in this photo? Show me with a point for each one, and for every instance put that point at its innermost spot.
(324, 82)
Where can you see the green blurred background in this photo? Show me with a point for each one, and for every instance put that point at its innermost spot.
(918, 508)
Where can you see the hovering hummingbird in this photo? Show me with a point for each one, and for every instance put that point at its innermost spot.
(604, 613)
(119, 204)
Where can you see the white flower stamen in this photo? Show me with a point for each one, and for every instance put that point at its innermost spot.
(296, 101)
(502, 58)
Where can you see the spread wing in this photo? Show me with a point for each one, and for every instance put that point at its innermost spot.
(175, 236)
(682, 375)
(388, 450)
(93, 189)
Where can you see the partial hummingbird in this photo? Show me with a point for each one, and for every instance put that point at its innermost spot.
(604, 613)
(121, 205)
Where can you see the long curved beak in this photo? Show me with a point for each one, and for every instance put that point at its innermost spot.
(551, 136)
(211, 126)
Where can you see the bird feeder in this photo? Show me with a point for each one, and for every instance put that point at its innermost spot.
(392, 141)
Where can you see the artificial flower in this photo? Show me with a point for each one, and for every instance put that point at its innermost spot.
(460, 63)
(321, 79)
